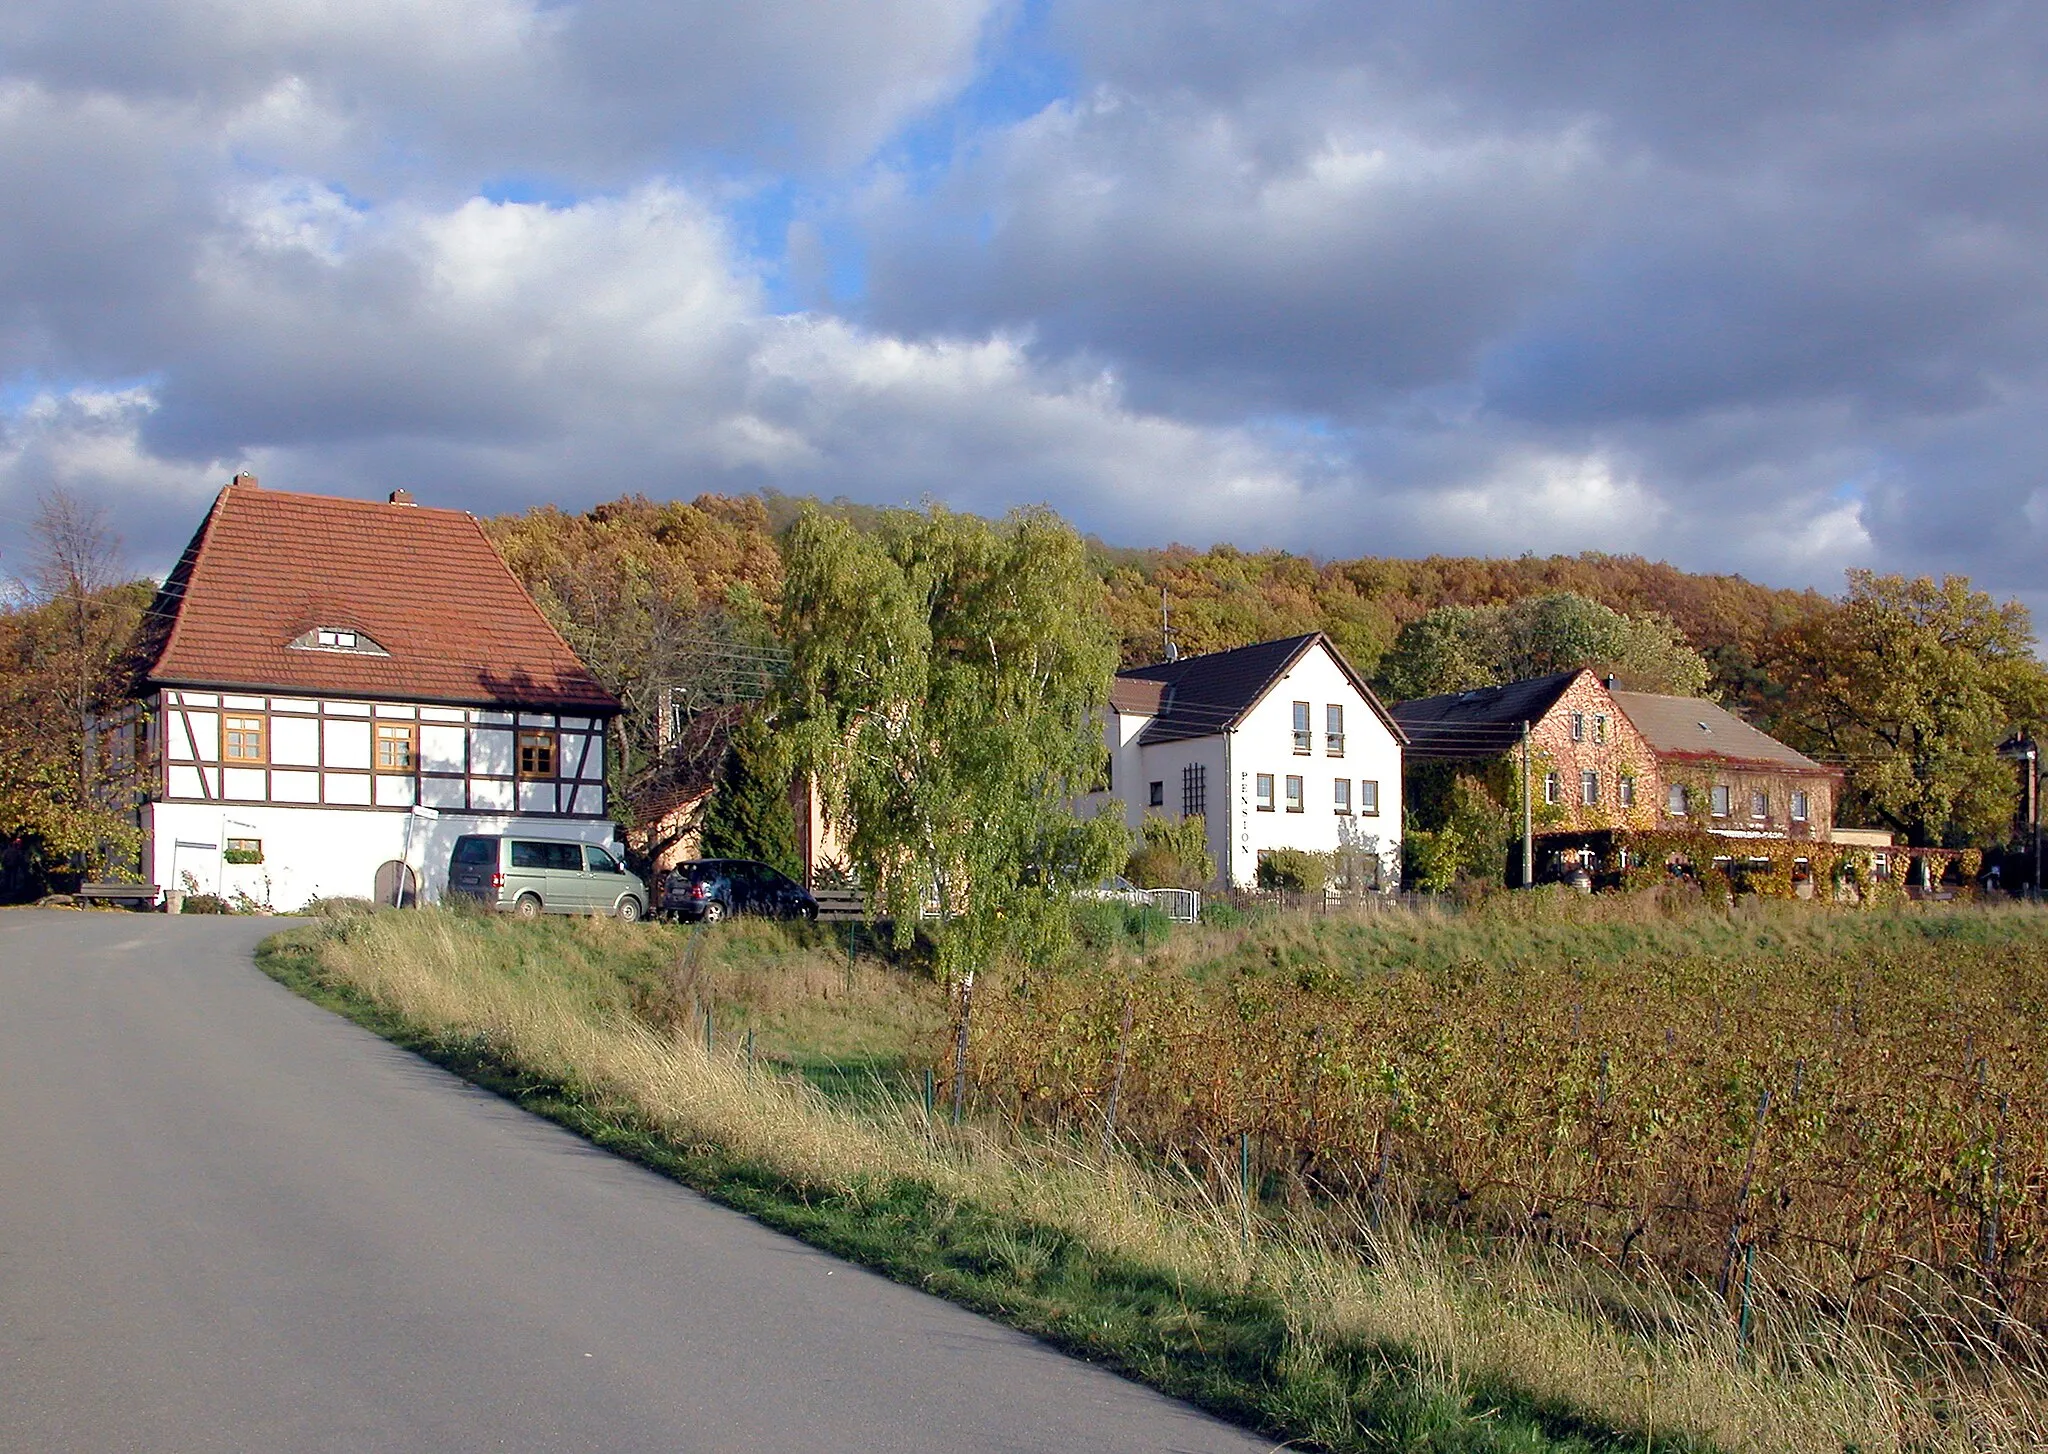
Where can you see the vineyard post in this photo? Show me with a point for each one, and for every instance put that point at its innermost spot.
(707, 1028)
(1756, 1136)
(960, 1046)
(1116, 1080)
(1528, 817)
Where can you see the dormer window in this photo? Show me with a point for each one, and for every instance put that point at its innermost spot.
(338, 638)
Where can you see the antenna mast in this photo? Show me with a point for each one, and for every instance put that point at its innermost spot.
(1166, 630)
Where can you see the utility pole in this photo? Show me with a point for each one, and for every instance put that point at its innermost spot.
(1528, 817)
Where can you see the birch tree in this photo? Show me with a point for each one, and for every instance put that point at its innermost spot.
(946, 682)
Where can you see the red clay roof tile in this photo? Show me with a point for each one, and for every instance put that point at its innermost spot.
(426, 585)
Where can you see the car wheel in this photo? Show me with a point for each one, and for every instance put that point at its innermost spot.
(713, 912)
(528, 907)
(629, 909)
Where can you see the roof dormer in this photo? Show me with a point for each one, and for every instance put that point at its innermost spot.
(347, 639)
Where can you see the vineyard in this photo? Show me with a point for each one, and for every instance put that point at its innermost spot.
(1855, 1101)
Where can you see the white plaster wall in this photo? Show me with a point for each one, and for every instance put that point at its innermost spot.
(1126, 772)
(1264, 743)
(319, 852)
(1164, 763)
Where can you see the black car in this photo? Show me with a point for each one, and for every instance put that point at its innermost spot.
(710, 889)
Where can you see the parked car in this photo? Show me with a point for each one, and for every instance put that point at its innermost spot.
(534, 876)
(710, 889)
(1116, 889)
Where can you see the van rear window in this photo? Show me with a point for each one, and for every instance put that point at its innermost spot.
(476, 850)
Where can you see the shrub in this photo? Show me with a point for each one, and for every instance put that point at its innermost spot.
(338, 908)
(206, 904)
(1174, 854)
(1294, 870)
(1219, 914)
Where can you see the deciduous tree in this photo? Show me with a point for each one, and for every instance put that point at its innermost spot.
(1910, 685)
(946, 680)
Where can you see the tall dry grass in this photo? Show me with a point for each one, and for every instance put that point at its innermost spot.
(1559, 1329)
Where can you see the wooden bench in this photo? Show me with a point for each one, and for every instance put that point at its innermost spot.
(136, 895)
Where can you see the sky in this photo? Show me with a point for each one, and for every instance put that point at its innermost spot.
(1749, 287)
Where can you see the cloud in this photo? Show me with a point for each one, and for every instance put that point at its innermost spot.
(1749, 287)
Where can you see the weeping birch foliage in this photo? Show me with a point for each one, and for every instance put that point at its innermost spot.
(946, 683)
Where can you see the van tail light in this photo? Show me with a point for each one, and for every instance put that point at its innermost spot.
(497, 880)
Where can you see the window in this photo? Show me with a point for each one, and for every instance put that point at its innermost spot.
(1155, 796)
(1759, 804)
(395, 747)
(335, 640)
(245, 850)
(536, 754)
(1589, 789)
(1600, 728)
(1194, 791)
(1265, 792)
(1553, 790)
(1333, 729)
(597, 860)
(1799, 807)
(1293, 794)
(568, 856)
(241, 739)
(1578, 726)
(1341, 798)
(1627, 788)
(1675, 801)
(1720, 800)
(1301, 732)
(1369, 795)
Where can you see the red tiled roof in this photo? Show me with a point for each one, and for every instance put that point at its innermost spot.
(427, 586)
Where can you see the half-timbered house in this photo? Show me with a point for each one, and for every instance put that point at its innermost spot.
(330, 691)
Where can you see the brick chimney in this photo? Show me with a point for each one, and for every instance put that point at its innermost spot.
(246, 480)
(402, 497)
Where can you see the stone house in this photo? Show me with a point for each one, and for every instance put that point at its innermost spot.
(1591, 768)
(1726, 776)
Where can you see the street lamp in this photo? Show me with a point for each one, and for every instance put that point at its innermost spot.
(2023, 749)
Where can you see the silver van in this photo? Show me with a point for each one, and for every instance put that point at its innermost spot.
(534, 876)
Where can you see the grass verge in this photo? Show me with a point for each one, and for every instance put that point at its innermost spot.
(1338, 1337)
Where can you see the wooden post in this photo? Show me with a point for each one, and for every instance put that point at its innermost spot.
(960, 1046)
(1528, 817)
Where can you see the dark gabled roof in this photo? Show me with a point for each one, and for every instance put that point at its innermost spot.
(1198, 696)
(1484, 722)
(449, 621)
(1689, 729)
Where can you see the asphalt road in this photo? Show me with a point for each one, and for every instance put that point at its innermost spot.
(231, 1220)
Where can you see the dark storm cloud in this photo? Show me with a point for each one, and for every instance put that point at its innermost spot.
(1789, 255)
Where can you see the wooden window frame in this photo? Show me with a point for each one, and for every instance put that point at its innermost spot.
(1304, 736)
(261, 757)
(410, 737)
(1340, 796)
(1589, 788)
(1333, 729)
(1262, 788)
(1366, 802)
(1296, 794)
(521, 743)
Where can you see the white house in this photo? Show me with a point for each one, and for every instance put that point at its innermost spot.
(1278, 745)
(333, 690)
